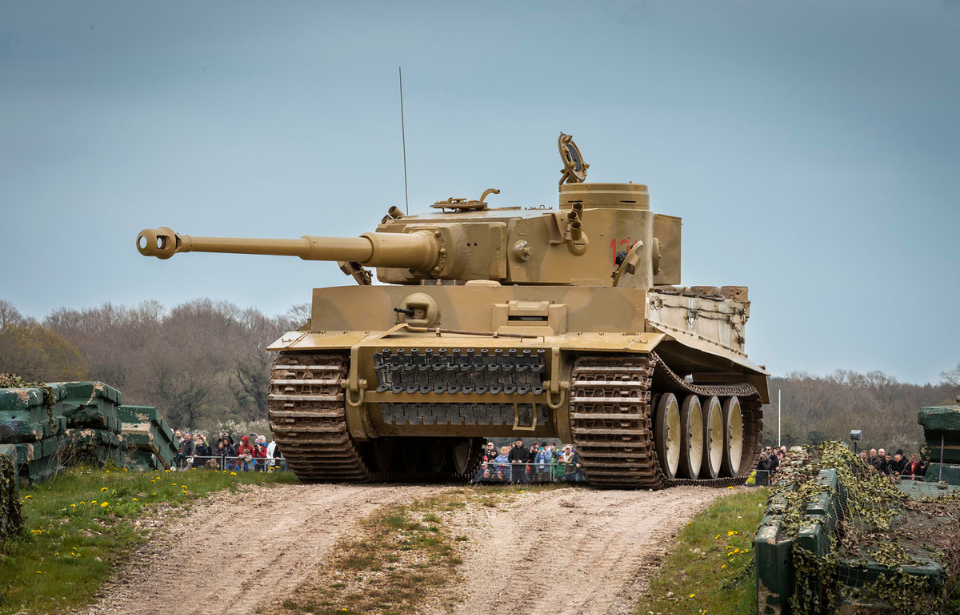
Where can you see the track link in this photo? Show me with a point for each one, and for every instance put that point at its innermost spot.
(612, 420)
(308, 418)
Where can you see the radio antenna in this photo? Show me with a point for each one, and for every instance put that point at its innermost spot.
(403, 136)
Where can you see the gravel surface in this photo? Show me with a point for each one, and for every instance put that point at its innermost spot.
(576, 550)
(235, 552)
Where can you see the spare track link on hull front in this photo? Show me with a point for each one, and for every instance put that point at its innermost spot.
(612, 420)
(308, 418)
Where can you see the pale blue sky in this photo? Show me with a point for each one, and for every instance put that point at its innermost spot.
(812, 148)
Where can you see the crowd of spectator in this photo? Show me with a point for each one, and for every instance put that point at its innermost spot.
(771, 458)
(896, 465)
(251, 453)
(520, 463)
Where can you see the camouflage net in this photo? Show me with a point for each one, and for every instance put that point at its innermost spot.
(10, 520)
(886, 549)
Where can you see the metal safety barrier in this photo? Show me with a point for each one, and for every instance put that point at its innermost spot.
(226, 463)
(524, 472)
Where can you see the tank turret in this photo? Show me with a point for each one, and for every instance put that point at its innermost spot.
(563, 322)
(599, 235)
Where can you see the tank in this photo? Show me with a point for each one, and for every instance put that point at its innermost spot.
(533, 322)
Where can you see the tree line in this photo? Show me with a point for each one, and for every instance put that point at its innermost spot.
(205, 363)
(201, 363)
(817, 408)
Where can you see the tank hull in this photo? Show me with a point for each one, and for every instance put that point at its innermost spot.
(586, 365)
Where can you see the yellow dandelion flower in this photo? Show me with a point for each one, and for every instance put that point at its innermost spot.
(231, 474)
(722, 567)
(103, 489)
(28, 497)
(154, 493)
(93, 501)
(732, 532)
(716, 537)
(105, 504)
(736, 550)
(692, 595)
(73, 506)
(134, 499)
(729, 487)
(38, 572)
(108, 471)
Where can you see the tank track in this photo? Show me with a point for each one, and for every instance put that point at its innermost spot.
(307, 410)
(612, 420)
(308, 418)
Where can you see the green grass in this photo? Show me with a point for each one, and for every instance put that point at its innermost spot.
(710, 568)
(81, 524)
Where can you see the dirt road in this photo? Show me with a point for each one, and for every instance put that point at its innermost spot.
(234, 552)
(558, 551)
(576, 551)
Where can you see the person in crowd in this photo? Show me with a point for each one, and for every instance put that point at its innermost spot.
(780, 455)
(488, 469)
(201, 451)
(503, 464)
(542, 461)
(769, 462)
(260, 456)
(245, 454)
(271, 453)
(224, 434)
(571, 464)
(226, 453)
(899, 463)
(881, 461)
(188, 448)
(909, 471)
(921, 470)
(888, 464)
(519, 456)
(863, 458)
(872, 460)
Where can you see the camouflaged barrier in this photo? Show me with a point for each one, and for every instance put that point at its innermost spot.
(31, 428)
(45, 427)
(146, 441)
(840, 538)
(941, 432)
(11, 521)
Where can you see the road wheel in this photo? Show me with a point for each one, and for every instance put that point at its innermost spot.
(691, 437)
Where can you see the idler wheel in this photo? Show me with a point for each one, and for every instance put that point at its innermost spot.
(713, 442)
(666, 438)
(732, 437)
(691, 437)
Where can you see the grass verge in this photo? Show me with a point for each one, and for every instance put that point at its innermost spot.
(81, 524)
(405, 554)
(710, 568)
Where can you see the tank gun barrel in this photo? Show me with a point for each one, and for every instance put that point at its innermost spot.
(418, 250)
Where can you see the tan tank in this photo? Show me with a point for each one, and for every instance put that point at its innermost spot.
(540, 323)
